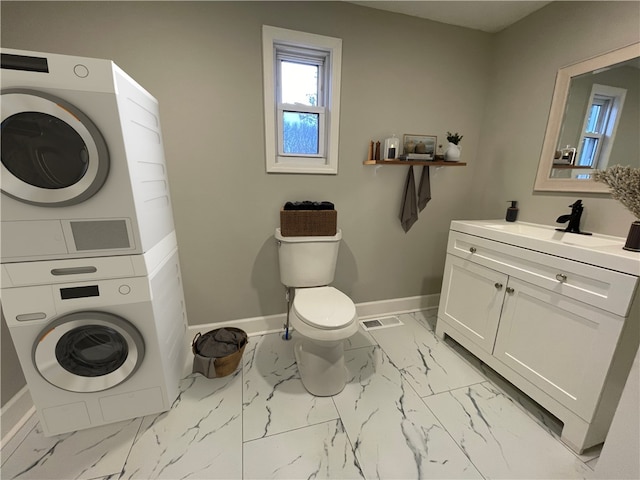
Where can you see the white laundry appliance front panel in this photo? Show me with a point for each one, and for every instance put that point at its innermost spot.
(83, 167)
(98, 347)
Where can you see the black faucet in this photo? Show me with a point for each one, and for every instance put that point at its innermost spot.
(573, 218)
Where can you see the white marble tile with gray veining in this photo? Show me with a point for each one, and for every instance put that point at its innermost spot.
(200, 437)
(361, 339)
(500, 439)
(274, 399)
(91, 453)
(12, 443)
(381, 427)
(544, 419)
(394, 435)
(428, 364)
(428, 317)
(318, 451)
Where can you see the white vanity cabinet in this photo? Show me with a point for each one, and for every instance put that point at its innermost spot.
(558, 329)
(471, 300)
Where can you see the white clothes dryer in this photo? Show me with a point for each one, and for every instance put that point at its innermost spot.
(99, 340)
(83, 171)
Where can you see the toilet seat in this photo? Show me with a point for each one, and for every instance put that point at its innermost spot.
(325, 308)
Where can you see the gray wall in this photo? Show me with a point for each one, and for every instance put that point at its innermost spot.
(527, 56)
(202, 60)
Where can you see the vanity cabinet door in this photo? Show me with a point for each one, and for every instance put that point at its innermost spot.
(562, 346)
(471, 300)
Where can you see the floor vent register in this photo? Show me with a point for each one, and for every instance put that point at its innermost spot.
(383, 322)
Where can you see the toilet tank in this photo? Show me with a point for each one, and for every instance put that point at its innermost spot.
(307, 261)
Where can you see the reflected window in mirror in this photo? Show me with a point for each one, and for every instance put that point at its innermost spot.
(600, 125)
(591, 119)
(597, 135)
(593, 123)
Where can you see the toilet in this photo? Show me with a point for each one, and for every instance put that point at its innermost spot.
(322, 316)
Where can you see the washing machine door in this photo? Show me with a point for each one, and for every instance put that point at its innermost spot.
(88, 351)
(52, 154)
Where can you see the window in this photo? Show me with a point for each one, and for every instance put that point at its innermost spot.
(600, 124)
(301, 101)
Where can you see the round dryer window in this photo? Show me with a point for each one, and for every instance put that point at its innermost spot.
(52, 154)
(88, 351)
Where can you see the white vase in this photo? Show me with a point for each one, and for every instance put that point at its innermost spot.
(452, 153)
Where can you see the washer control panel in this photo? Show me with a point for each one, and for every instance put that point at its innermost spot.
(40, 303)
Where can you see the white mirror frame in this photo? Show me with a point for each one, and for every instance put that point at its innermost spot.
(543, 181)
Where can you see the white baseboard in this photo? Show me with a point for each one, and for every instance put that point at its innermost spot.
(397, 305)
(15, 413)
(275, 323)
(20, 408)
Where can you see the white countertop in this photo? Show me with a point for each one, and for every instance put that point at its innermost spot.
(600, 250)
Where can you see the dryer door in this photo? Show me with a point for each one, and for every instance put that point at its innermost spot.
(52, 154)
(88, 351)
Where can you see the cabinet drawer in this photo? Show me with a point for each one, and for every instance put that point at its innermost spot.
(599, 287)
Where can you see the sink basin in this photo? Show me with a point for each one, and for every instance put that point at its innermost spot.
(545, 232)
(596, 249)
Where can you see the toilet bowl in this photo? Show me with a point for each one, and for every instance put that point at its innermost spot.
(323, 318)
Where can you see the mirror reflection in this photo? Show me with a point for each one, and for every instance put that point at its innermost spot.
(593, 123)
(600, 117)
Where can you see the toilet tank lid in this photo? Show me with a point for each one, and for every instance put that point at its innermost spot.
(324, 307)
(324, 238)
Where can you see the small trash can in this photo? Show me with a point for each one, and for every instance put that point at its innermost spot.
(217, 353)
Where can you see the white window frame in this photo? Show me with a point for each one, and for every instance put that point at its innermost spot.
(612, 99)
(279, 41)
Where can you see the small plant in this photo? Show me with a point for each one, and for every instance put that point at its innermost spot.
(624, 183)
(454, 138)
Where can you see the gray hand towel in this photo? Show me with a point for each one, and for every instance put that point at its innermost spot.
(409, 210)
(424, 190)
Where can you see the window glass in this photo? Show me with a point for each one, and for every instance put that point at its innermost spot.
(301, 133)
(592, 122)
(299, 83)
(598, 115)
(588, 151)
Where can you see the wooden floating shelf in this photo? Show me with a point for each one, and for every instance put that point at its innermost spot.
(428, 163)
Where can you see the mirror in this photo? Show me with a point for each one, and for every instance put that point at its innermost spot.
(593, 122)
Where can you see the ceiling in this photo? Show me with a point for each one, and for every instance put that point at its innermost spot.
(488, 16)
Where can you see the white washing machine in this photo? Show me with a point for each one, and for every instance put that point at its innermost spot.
(101, 339)
(83, 171)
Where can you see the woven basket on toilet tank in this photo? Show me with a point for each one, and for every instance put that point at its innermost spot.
(308, 223)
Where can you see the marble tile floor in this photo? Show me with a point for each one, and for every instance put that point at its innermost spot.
(414, 407)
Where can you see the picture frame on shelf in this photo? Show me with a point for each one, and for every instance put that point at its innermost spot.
(419, 147)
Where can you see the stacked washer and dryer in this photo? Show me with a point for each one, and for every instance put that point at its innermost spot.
(91, 285)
